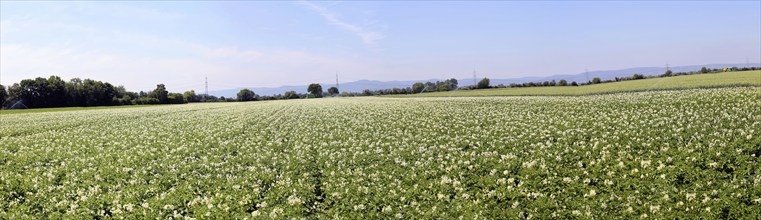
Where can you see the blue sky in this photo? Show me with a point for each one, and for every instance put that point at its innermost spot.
(265, 44)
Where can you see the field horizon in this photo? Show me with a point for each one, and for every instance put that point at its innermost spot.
(684, 82)
(693, 81)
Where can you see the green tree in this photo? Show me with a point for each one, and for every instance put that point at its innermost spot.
(3, 96)
(333, 90)
(574, 83)
(452, 83)
(442, 87)
(75, 92)
(704, 70)
(418, 87)
(191, 96)
(291, 95)
(562, 82)
(667, 73)
(315, 89)
(176, 98)
(596, 80)
(246, 95)
(56, 92)
(367, 92)
(484, 83)
(160, 93)
(38, 92)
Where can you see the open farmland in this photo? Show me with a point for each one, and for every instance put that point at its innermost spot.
(711, 80)
(667, 154)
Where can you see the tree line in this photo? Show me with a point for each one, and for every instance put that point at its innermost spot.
(451, 84)
(55, 92)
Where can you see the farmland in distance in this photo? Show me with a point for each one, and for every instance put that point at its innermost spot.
(663, 154)
(711, 80)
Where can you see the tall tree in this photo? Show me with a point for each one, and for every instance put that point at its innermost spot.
(333, 90)
(176, 98)
(33, 93)
(3, 95)
(442, 86)
(191, 96)
(452, 84)
(291, 95)
(75, 92)
(484, 83)
(704, 70)
(246, 95)
(57, 92)
(418, 87)
(315, 89)
(562, 82)
(161, 94)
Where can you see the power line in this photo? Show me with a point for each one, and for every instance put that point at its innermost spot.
(284, 83)
(206, 85)
(474, 78)
(586, 72)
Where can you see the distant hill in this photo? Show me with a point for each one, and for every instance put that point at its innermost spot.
(358, 86)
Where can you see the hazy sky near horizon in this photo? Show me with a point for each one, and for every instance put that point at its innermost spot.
(266, 44)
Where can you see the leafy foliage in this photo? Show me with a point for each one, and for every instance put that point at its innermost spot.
(483, 84)
(192, 97)
(315, 89)
(160, 93)
(55, 92)
(246, 95)
(333, 90)
(418, 87)
(176, 98)
(291, 95)
(3, 95)
(562, 82)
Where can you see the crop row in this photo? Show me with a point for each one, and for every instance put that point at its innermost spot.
(664, 154)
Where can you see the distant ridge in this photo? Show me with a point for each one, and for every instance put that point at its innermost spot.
(358, 86)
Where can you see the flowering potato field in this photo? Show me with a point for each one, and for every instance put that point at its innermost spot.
(667, 154)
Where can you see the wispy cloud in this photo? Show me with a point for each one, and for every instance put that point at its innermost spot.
(369, 38)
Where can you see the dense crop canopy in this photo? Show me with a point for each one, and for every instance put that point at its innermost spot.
(652, 154)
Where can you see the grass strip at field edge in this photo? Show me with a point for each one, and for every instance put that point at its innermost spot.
(64, 109)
